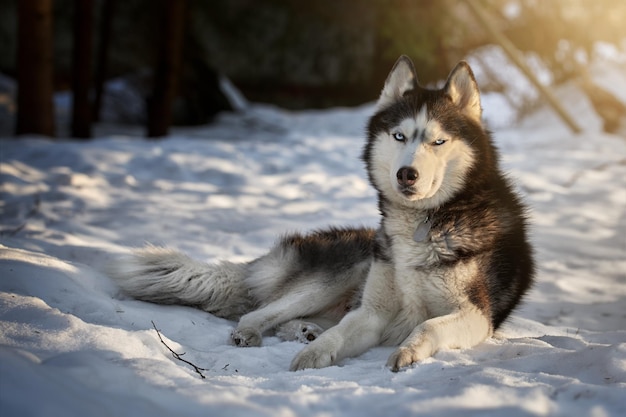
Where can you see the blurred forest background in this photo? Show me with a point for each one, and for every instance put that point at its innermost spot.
(174, 55)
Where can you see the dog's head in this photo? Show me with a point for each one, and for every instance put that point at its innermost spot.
(420, 145)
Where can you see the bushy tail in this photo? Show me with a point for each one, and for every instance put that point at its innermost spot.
(166, 276)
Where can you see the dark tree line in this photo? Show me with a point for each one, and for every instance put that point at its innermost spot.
(35, 67)
(168, 67)
(82, 68)
(287, 52)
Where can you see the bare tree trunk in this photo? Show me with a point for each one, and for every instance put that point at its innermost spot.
(81, 72)
(168, 68)
(515, 56)
(102, 60)
(35, 113)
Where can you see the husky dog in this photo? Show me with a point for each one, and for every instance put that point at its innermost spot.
(447, 265)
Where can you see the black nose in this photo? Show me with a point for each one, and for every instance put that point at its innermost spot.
(407, 176)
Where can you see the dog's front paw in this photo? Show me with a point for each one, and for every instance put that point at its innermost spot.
(400, 358)
(407, 355)
(301, 331)
(313, 356)
(246, 337)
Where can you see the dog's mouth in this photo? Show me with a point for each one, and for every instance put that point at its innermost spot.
(409, 192)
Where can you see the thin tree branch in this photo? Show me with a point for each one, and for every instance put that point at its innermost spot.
(178, 355)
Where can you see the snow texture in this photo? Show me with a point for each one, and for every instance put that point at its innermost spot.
(72, 345)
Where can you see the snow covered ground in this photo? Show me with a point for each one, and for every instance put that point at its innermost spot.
(71, 345)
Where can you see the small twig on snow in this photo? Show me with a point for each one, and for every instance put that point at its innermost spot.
(178, 355)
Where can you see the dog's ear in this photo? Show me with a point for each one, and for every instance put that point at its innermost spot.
(401, 79)
(463, 90)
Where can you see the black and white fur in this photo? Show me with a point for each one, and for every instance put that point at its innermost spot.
(447, 265)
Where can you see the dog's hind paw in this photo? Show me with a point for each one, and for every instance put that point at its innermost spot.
(301, 331)
(246, 337)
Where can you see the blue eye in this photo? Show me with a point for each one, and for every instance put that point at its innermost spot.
(439, 142)
(398, 136)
